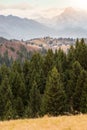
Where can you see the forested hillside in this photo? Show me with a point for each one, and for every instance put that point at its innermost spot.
(11, 50)
(52, 84)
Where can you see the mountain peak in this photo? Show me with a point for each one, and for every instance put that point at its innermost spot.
(69, 10)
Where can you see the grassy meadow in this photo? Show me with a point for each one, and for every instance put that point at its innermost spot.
(78, 122)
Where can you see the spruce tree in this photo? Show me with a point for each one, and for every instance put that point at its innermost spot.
(54, 99)
(81, 53)
(80, 96)
(71, 84)
(18, 107)
(26, 73)
(19, 92)
(4, 71)
(48, 62)
(60, 61)
(35, 100)
(9, 112)
(47, 66)
(83, 91)
(71, 57)
(36, 71)
(6, 96)
(17, 84)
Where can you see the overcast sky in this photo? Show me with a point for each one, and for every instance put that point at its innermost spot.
(39, 3)
(37, 8)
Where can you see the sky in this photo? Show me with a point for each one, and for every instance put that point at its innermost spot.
(38, 8)
(39, 3)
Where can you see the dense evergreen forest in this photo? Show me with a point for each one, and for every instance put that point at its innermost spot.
(52, 84)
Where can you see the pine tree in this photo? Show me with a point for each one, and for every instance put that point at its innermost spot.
(60, 61)
(83, 103)
(35, 100)
(16, 66)
(18, 107)
(71, 56)
(47, 66)
(80, 53)
(48, 62)
(26, 73)
(54, 98)
(80, 96)
(19, 92)
(4, 71)
(6, 96)
(9, 112)
(36, 71)
(17, 84)
(71, 84)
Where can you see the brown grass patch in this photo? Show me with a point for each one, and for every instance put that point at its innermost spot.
(47, 123)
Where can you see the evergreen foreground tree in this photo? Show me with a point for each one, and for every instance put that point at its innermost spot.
(35, 100)
(81, 53)
(80, 96)
(71, 85)
(83, 103)
(6, 111)
(36, 87)
(19, 92)
(9, 111)
(54, 99)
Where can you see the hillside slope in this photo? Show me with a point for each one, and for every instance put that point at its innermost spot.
(16, 47)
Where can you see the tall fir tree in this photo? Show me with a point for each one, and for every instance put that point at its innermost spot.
(19, 92)
(26, 73)
(80, 96)
(81, 53)
(60, 60)
(4, 71)
(36, 64)
(71, 57)
(71, 84)
(6, 96)
(35, 100)
(54, 99)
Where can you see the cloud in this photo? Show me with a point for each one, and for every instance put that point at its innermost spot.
(24, 13)
(20, 9)
(51, 12)
(28, 11)
(20, 6)
(2, 7)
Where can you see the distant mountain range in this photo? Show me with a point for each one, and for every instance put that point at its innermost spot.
(70, 23)
(13, 27)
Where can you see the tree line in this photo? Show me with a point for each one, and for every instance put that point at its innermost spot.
(51, 84)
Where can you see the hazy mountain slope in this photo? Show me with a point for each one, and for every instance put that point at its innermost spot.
(18, 28)
(71, 23)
